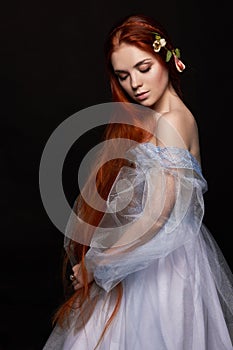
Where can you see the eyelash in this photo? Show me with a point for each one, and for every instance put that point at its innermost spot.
(142, 71)
(122, 78)
(145, 69)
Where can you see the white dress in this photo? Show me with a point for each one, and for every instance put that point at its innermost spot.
(177, 287)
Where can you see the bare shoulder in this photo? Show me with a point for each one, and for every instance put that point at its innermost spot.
(180, 118)
(178, 128)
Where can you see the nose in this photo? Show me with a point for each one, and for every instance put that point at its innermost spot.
(135, 82)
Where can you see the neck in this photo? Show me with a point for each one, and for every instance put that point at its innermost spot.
(167, 101)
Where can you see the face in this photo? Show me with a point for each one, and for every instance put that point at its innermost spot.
(140, 74)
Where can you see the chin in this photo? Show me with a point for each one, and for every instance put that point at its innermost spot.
(147, 104)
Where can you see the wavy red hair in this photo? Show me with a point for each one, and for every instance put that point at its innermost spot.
(134, 30)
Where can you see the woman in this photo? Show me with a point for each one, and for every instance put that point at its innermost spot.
(149, 275)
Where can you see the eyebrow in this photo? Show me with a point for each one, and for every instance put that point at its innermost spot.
(135, 66)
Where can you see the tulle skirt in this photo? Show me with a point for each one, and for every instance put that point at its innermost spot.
(180, 302)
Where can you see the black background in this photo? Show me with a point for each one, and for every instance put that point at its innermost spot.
(51, 67)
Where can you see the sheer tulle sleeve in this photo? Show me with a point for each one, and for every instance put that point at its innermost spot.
(154, 207)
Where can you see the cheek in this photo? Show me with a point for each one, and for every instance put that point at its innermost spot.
(126, 86)
(159, 86)
(160, 76)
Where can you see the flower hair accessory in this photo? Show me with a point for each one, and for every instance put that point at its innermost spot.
(161, 42)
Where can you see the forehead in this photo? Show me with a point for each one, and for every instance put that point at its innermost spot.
(127, 56)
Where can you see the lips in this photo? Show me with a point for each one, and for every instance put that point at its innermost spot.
(142, 95)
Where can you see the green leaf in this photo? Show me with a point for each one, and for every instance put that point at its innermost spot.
(168, 56)
(177, 52)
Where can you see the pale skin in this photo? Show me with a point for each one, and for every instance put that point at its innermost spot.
(146, 81)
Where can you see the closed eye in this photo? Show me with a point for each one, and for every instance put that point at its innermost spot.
(122, 77)
(144, 70)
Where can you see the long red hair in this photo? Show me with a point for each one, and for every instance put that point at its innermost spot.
(135, 30)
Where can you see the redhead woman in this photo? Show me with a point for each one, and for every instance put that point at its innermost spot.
(151, 276)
